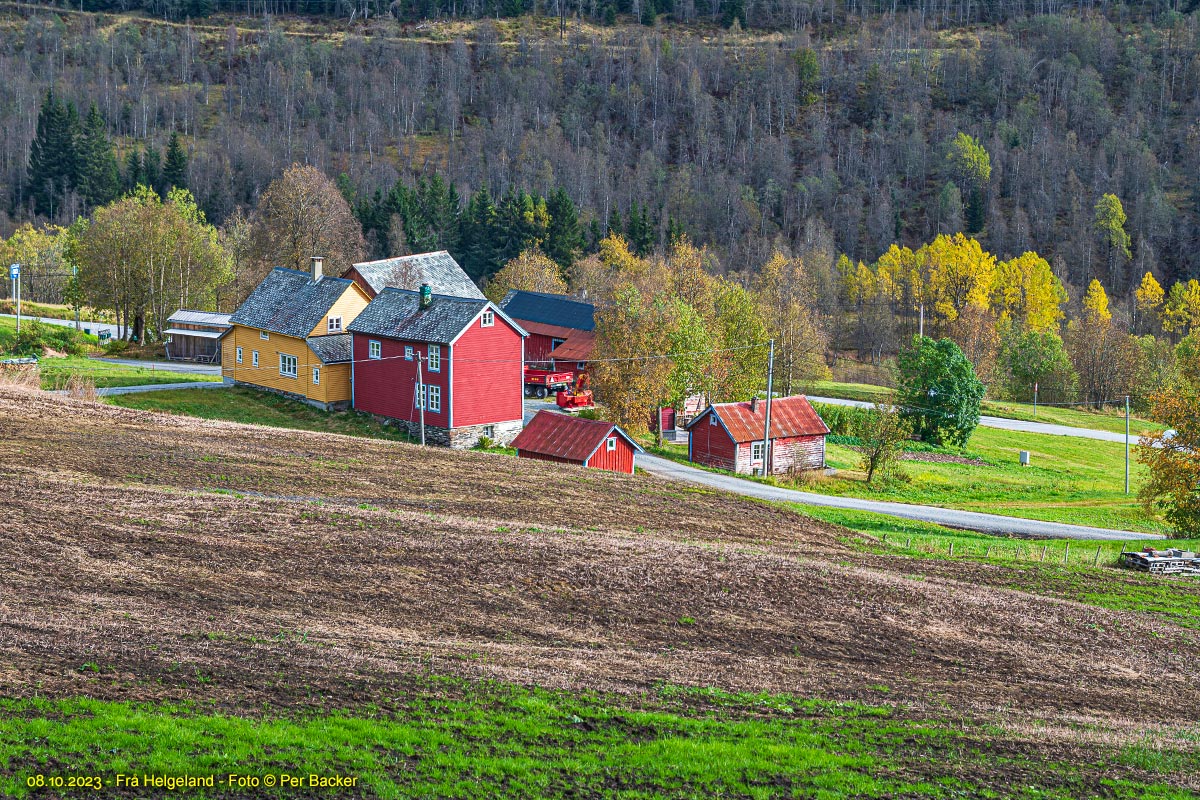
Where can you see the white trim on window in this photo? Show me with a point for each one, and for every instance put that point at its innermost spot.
(316, 376)
(435, 358)
(554, 343)
(418, 396)
(756, 450)
(712, 418)
(489, 431)
(239, 355)
(611, 444)
(580, 365)
(254, 358)
(435, 398)
(408, 353)
(335, 325)
(289, 366)
(264, 335)
(374, 349)
(487, 319)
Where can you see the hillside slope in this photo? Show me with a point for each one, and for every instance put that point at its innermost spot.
(148, 557)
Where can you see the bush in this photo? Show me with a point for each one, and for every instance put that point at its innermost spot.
(938, 391)
(116, 347)
(844, 420)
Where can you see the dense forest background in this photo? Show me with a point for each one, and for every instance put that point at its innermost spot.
(812, 127)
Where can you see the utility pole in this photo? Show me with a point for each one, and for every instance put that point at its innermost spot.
(766, 454)
(1035, 390)
(75, 278)
(921, 324)
(421, 394)
(1126, 444)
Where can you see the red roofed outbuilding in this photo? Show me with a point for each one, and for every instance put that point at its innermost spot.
(730, 436)
(564, 439)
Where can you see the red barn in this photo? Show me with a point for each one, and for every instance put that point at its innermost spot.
(562, 438)
(730, 436)
(469, 354)
(560, 329)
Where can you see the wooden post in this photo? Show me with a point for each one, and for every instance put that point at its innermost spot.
(1096, 560)
(952, 548)
(1067, 553)
(908, 543)
(1044, 552)
(988, 554)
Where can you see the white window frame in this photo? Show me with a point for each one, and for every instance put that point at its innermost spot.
(239, 354)
(419, 396)
(756, 447)
(580, 365)
(316, 376)
(434, 401)
(712, 418)
(487, 319)
(489, 431)
(374, 349)
(335, 325)
(555, 342)
(295, 364)
(264, 335)
(254, 358)
(611, 444)
(408, 353)
(435, 357)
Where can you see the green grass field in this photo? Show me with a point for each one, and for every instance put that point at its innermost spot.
(449, 738)
(1111, 419)
(56, 372)
(52, 311)
(253, 407)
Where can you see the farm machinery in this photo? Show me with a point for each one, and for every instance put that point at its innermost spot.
(576, 398)
(541, 382)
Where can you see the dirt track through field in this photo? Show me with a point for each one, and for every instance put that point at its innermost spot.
(132, 568)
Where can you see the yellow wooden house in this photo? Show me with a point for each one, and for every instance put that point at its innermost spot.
(289, 336)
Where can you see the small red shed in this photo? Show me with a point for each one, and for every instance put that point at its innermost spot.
(562, 438)
(730, 436)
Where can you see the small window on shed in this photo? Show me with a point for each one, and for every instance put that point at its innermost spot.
(487, 319)
(611, 444)
(712, 419)
(408, 353)
(374, 349)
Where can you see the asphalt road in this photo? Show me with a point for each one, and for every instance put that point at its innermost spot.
(1010, 424)
(965, 520)
(168, 366)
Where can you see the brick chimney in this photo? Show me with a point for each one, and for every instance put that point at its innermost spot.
(318, 266)
(426, 295)
(754, 404)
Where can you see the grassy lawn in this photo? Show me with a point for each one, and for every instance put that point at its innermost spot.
(242, 404)
(1109, 420)
(450, 738)
(56, 371)
(60, 337)
(51, 311)
(1078, 481)
(1082, 571)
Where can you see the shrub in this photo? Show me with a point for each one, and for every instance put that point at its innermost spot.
(844, 420)
(116, 347)
(938, 391)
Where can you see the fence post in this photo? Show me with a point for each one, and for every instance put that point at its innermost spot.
(1096, 560)
(1067, 553)
(1044, 552)
(952, 548)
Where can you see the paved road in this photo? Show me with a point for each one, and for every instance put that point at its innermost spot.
(168, 366)
(93, 327)
(160, 387)
(966, 520)
(1010, 424)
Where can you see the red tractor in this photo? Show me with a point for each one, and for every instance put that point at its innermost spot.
(578, 397)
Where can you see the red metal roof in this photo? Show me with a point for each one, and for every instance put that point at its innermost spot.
(565, 436)
(790, 416)
(576, 348)
(541, 328)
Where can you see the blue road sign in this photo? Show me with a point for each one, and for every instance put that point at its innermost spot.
(14, 271)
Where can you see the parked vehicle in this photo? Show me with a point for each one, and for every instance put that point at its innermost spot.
(577, 398)
(541, 382)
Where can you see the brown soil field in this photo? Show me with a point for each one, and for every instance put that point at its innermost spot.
(254, 566)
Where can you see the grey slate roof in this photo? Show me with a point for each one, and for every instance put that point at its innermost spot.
(549, 309)
(438, 269)
(290, 302)
(335, 349)
(397, 314)
(188, 317)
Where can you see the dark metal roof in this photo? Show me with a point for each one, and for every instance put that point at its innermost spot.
(397, 314)
(790, 416)
(439, 270)
(335, 349)
(550, 433)
(549, 309)
(290, 302)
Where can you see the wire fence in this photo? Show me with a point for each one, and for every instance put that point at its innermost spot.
(1062, 552)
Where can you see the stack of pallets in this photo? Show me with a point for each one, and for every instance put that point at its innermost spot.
(1163, 562)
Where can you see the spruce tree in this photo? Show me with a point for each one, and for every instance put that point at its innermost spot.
(99, 175)
(614, 222)
(564, 239)
(135, 172)
(479, 235)
(639, 230)
(174, 175)
(152, 169)
(52, 155)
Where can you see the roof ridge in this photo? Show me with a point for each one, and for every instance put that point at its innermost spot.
(400, 258)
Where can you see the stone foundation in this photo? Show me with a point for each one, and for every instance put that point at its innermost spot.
(460, 438)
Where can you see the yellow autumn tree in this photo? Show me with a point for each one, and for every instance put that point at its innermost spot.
(531, 271)
(959, 273)
(1149, 299)
(1026, 291)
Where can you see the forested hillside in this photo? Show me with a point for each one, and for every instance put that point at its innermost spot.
(839, 137)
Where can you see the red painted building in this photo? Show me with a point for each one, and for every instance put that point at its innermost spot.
(466, 352)
(560, 329)
(730, 436)
(564, 439)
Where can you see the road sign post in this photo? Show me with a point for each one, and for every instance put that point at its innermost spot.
(14, 273)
